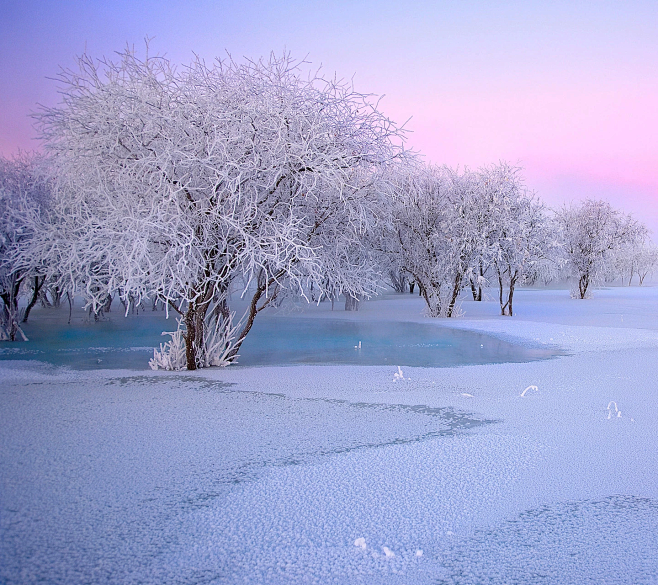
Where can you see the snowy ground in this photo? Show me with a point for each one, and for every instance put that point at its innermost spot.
(271, 474)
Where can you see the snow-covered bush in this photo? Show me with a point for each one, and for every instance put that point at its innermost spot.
(180, 183)
(219, 343)
(593, 232)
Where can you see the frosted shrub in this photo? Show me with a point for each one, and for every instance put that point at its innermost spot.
(219, 344)
(172, 353)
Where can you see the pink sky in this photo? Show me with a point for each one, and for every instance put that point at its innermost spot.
(566, 89)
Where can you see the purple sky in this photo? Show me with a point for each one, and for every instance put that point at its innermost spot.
(569, 90)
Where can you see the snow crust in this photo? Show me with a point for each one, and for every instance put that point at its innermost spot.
(273, 474)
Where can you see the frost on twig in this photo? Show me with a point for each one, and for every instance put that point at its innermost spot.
(172, 353)
(531, 387)
(220, 342)
(617, 412)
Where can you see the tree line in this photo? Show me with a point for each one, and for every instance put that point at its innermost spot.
(187, 186)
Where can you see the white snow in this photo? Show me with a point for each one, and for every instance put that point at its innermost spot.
(283, 474)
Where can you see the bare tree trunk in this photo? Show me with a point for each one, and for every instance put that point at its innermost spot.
(56, 294)
(506, 308)
(480, 282)
(43, 297)
(455, 293)
(583, 285)
(253, 311)
(10, 309)
(474, 291)
(510, 298)
(432, 295)
(351, 302)
(35, 297)
(194, 335)
(68, 296)
(190, 337)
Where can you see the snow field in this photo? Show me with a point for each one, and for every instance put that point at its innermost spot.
(271, 474)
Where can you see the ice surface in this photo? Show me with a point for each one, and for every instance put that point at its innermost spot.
(272, 474)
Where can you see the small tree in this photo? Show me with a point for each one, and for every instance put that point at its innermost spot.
(521, 237)
(182, 184)
(431, 235)
(593, 231)
(24, 191)
(646, 260)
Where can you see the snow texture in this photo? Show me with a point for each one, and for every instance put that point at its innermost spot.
(343, 474)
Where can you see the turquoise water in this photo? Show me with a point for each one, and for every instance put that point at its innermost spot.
(128, 342)
(313, 341)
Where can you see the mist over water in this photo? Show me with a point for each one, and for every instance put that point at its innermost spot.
(314, 341)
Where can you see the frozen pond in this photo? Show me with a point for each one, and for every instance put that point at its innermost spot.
(128, 343)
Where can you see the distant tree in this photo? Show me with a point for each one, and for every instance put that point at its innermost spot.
(24, 191)
(522, 239)
(465, 240)
(415, 239)
(432, 234)
(397, 279)
(183, 184)
(646, 260)
(593, 231)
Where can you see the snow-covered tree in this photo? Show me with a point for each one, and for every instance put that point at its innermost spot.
(449, 228)
(646, 260)
(24, 191)
(430, 235)
(415, 239)
(593, 231)
(522, 239)
(637, 257)
(182, 184)
(467, 234)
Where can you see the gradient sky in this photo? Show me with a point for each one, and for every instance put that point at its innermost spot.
(568, 90)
